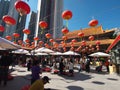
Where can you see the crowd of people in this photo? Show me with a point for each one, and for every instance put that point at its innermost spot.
(35, 64)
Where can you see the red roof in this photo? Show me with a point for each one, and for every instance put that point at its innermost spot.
(117, 39)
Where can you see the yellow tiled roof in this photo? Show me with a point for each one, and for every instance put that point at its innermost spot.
(102, 42)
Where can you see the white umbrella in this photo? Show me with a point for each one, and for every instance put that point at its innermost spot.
(43, 50)
(99, 54)
(70, 53)
(6, 44)
(41, 54)
(20, 51)
(56, 53)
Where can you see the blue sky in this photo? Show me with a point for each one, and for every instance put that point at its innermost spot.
(107, 12)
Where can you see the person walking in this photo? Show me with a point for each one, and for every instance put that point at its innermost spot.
(36, 71)
(71, 66)
(61, 67)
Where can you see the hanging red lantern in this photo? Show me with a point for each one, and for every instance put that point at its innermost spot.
(26, 31)
(65, 30)
(51, 40)
(74, 40)
(64, 38)
(41, 42)
(16, 35)
(97, 42)
(90, 46)
(27, 40)
(36, 38)
(48, 35)
(83, 43)
(9, 20)
(43, 24)
(20, 42)
(32, 43)
(22, 7)
(91, 38)
(8, 37)
(67, 15)
(2, 28)
(81, 34)
(93, 23)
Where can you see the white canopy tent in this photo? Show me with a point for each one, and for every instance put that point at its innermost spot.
(41, 54)
(56, 53)
(6, 44)
(43, 50)
(20, 51)
(100, 54)
(70, 53)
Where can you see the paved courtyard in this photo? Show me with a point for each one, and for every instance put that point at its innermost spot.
(81, 81)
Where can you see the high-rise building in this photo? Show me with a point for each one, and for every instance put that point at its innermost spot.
(50, 11)
(4, 5)
(20, 20)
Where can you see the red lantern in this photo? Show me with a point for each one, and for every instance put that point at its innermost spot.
(65, 30)
(33, 43)
(93, 23)
(27, 40)
(2, 28)
(9, 20)
(43, 24)
(64, 37)
(51, 40)
(67, 15)
(26, 31)
(22, 7)
(91, 38)
(36, 38)
(40, 42)
(97, 42)
(81, 34)
(48, 35)
(74, 40)
(83, 43)
(20, 42)
(8, 37)
(16, 35)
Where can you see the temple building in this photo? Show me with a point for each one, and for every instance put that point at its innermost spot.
(87, 40)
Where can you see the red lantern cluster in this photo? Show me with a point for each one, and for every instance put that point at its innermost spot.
(2, 28)
(65, 30)
(9, 20)
(26, 31)
(93, 23)
(22, 7)
(67, 15)
(43, 24)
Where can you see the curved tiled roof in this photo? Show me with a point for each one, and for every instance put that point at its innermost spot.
(102, 42)
(86, 31)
